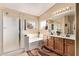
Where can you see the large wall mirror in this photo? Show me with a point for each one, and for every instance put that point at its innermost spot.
(63, 23)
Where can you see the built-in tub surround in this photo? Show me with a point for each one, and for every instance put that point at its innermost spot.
(33, 41)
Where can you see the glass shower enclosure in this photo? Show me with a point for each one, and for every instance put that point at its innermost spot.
(9, 33)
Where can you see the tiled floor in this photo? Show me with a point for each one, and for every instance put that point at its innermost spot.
(36, 52)
(41, 52)
(33, 52)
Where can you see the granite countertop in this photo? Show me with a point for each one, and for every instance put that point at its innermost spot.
(72, 37)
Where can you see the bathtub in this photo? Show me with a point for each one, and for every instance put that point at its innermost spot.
(35, 42)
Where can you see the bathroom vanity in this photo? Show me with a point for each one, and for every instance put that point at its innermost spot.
(61, 37)
(60, 45)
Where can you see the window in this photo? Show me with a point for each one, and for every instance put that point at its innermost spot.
(42, 24)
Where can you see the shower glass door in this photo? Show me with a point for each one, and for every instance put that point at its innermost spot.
(10, 33)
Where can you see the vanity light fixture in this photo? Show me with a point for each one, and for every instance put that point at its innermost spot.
(61, 11)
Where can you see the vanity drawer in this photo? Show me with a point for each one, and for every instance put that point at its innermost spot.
(68, 41)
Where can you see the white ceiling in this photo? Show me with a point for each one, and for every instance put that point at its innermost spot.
(31, 8)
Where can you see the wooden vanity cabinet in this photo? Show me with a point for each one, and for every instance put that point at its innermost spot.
(69, 47)
(59, 45)
(50, 42)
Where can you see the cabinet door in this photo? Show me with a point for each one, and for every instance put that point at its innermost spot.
(70, 47)
(59, 45)
(50, 42)
(45, 40)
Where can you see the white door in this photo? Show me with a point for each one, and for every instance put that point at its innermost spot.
(10, 33)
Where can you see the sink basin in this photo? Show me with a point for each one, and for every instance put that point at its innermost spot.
(67, 35)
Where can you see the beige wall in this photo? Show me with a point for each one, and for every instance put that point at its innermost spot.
(56, 7)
